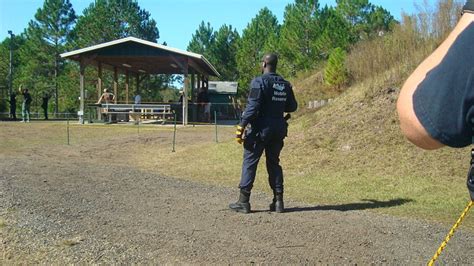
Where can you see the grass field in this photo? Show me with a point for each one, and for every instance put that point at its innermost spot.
(403, 182)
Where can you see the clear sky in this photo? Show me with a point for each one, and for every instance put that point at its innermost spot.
(177, 20)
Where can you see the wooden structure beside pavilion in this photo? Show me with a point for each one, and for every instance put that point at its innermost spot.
(137, 58)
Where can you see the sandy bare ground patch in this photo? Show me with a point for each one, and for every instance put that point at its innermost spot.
(71, 204)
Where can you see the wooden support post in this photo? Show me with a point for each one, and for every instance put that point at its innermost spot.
(185, 98)
(199, 81)
(199, 86)
(193, 86)
(183, 64)
(193, 96)
(99, 80)
(82, 94)
(99, 87)
(115, 84)
(127, 79)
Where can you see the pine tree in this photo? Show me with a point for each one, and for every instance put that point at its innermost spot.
(16, 43)
(224, 52)
(4, 72)
(255, 36)
(47, 37)
(355, 11)
(379, 20)
(108, 20)
(202, 42)
(366, 20)
(219, 47)
(335, 73)
(336, 32)
(299, 31)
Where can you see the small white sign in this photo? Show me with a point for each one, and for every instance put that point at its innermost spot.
(80, 113)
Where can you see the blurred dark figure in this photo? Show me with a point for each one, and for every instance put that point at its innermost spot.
(204, 105)
(13, 106)
(25, 107)
(44, 104)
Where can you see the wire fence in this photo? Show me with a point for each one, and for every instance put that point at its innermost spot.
(198, 113)
(41, 116)
(71, 129)
(214, 114)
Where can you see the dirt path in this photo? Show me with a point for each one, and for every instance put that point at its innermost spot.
(64, 207)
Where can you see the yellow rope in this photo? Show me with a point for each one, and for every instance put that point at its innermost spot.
(451, 233)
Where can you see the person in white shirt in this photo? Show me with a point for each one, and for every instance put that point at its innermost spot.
(138, 98)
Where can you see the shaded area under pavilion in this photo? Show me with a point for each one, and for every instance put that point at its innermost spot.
(137, 58)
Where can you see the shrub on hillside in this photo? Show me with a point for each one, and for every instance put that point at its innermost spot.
(335, 73)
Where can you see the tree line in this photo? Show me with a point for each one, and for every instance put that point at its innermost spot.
(57, 28)
(307, 37)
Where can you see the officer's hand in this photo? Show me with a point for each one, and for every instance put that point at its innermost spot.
(470, 186)
(238, 134)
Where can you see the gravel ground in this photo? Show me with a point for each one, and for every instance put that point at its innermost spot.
(66, 207)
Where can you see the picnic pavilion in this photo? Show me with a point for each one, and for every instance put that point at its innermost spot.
(137, 58)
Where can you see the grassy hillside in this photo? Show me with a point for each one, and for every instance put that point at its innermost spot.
(355, 147)
(309, 87)
(349, 155)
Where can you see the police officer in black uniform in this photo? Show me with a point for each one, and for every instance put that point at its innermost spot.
(263, 128)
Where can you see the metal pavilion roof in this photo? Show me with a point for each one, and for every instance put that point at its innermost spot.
(140, 56)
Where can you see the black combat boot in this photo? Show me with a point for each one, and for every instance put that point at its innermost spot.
(242, 205)
(277, 203)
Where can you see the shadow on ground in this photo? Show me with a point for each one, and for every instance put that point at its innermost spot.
(368, 204)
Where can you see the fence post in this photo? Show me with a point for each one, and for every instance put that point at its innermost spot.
(67, 117)
(215, 122)
(174, 133)
(90, 115)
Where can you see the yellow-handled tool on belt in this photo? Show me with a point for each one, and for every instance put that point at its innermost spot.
(239, 134)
